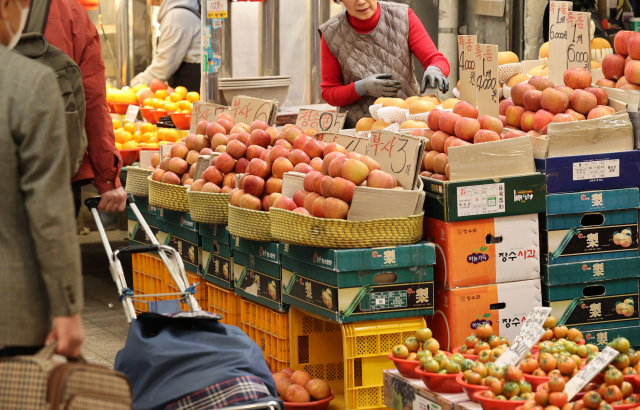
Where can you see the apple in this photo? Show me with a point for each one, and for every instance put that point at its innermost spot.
(317, 183)
(206, 151)
(504, 104)
(466, 127)
(578, 78)
(253, 151)
(564, 118)
(192, 170)
(488, 122)
(448, 122)
(156, 85)
(278, 152)
(601, 95)
(235, 196)
(514, 134)
(282, 202)
(542, 119)
(155, 160)
(450, 141)
(316, 164)
(503, 118)
(513, 115)
(632, 72)
(630, 86)
(526, 121)
(253, 185)
(317, 209)
(313, 148)
(298, 156)
(299, 197)
(273, 185)
(325, 186)
(464, 109)
(226, 124)
(531, 100)
(554, 101)
(158, 174)
(575, 114)
(302, 211)
(201, 142)
(327, 161)
(438, 139)
(282, 383)
(603, 82)
(613, 66)
(226, 163)
(331, 147)
(335, 167)
(236, 149)
(380, 179)
(201, 127)
(258, 125)
(178, 165)
(300, 141)
(281, 166)
(259, 168)
(260, 137)
(427, 160)
(296, 394)
(600, 111)
(243, 137)
(229, 180)
(197, 185)
(541, 83)
(249, 201)
(481, 136)
(335, 208)
(433, 120)
(241, 165)
(440, 162)
(170, 178)
(517, 93)
(309, 200)
(284, 143)
(621, 41)
(217, 140)
(621, 81)
(308, 180)
(582, 101)
(213, 174)
(211, 187)
(215, 128)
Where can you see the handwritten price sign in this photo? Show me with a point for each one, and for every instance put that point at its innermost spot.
(467, 66)
(529, 335)
(558, 13)
(487, 80)
(320, 120)
(355, 144)
(204, 111)
(248, 109)
(578, 40)
(590, 371)
(397, 154)
(217, 9)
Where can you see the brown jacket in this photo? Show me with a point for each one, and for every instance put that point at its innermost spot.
(40, 269)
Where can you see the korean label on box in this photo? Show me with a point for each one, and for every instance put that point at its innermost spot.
(481, 199)
(217, 9)
(320, 120)
(588, 170)
(420, 403)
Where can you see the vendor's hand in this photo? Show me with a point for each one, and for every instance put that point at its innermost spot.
(379, 85)
(114, 200)
(433, 78)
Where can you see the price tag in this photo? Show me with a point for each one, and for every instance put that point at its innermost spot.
(204, 111)
(538, 315)
(217, 9)
(467, 65)
(487, 80)
(578, 40)
(590, 371)
(355, 144)
(397, 154)
(420, 403)
(132, 113)
(320, 120)
(529, 335)
(558, 11)
(248, 109)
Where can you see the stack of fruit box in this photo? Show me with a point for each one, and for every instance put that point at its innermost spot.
(355, 285)
(590, 262)
(257, 272)
(217, 255)
(488, 255)
(137, 235)
(178, 230)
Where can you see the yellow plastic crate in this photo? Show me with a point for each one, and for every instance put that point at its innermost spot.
(223, 302)
(350, 357)
(270, 330)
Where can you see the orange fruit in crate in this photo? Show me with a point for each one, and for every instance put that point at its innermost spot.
(155, 102)
(130, 127)
(153, 145)
(120, 136)
(161, 94)
(130, 145)
(148, 102)
(171, 135)
(118, 145)
(184, 105)
(137, 137)
(116, 123)
(144, 128)
(145, 137)
(168, 99)
(128, 136)
(153, 140)
(193, 96)
(170, 107)
(175, 97)
(183, 91)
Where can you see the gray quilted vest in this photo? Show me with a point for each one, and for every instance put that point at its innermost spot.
(383, 50)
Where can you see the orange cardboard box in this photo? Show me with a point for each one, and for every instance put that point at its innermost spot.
(485, 251)
(460, 311)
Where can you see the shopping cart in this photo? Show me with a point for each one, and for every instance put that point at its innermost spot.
(169, 256)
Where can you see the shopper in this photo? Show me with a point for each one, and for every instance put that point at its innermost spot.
(366, 54)
(178, 56)
(71, 30)
(40, 273)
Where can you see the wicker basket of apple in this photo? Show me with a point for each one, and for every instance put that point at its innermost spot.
(299, 390)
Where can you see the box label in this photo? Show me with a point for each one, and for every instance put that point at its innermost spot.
(590, 170)
(481, 199)
(219, 268)
(615, 308)
(388, 300)
(261, 285)
(139, 235)
(314, 293)
(187, 250)
(603, 239)
(420, 403)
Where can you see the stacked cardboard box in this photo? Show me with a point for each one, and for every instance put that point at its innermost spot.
(137, 235)
(217, 255)
(488, 256)
(178, 230)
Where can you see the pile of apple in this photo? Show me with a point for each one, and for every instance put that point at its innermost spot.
(299, 387)
(622, 70)
(538, 103)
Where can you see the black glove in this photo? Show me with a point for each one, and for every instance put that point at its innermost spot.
(433, 78)
(379, 85)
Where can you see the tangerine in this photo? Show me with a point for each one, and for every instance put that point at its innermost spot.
(161, 94)
(193, 96)
(130, 127)
(116, 123)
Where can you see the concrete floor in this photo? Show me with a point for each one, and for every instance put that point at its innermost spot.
(104, 321)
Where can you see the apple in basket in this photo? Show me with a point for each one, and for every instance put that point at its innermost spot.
(299, 387)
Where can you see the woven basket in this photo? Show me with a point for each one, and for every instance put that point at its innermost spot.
(167, 196)
(137, 182)
(250, 224)
(208, 208)
(297, 229)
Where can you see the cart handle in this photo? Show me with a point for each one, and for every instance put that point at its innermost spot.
(130, 250)
(92, 203)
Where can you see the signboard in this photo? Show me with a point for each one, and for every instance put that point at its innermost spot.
(350, 143)
(399, 155)
(578, 40)
(217, 9)
(132, 113)
(558, 13)
(590, 371)
(204, 111)
(527, 337)
(467, 66)
(320, 120)
(487, 80)
(248, 109)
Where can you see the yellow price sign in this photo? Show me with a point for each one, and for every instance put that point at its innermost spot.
(217, 9)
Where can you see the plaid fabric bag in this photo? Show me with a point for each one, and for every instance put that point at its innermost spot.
(38, 383)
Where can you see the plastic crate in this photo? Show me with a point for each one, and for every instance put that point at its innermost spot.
(350, 357)
(223, 302)
(270, 330)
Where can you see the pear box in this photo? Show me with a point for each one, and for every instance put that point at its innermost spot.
(591, 225)
(402, 393)
(485, 251)
(217, 263)
(460, 311)
(180, 219)
(590, 271)
(594, 305)
(601, 337)
(186, 241)
(218, 233)
(137, 235)
(257, 272)
(352, 285)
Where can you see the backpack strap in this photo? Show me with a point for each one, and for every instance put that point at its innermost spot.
(185, 8)
(38, 16)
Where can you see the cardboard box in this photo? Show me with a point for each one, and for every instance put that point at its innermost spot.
(351, 285)
(142, 202)
(591, 271)
(591, 172)
(593, 201)
(137, 235)
(217, 263)
(257, 272)
(594, 305)
(180, 219)
(401, 393)
(185, 241)
(487, 198)
(485, 251)
(460, 311)
(601, 337)
(219, 233)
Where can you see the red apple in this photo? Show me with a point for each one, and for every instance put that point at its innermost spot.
(513, 115)
(466, 127)
(504, 104)
(488, 122)
(532, 100)
(577, 78)
(613, 66)
(541, 120)
(517, 93)
(481, 136)
(582, 101)
(554, 101)
(464, 109)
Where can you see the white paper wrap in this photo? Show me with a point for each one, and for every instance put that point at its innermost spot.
(393, 114)
(456, 92)
(506, 71)
(363, 134)
(395, 127)
(419, 117)
(373, 109)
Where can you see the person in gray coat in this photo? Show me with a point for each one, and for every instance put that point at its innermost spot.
(40, 269)
(178, 56)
